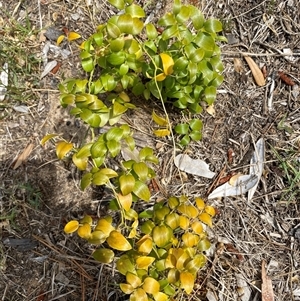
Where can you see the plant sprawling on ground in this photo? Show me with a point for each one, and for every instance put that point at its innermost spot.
(175, 61)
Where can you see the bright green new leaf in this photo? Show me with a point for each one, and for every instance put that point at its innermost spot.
(182, 128)
(151, 286)
(104, 255)
(71, 227)
(162, 235)
(84, 151)
(119, 4)
(133, 280)
(159, 120)
(124, 68)
(116, 58)
(151, 31)
(127, 183)
(62, 148)
(84, 231)
(90, 118)
(167, 20)
(187, 281)
(167, 62)
(210, 94)
(212, 25)
(139, 295)
(135, 11)
(170, 32)
(185, 140)
(196, 124)
(113, 30)
(67, 99)
(118, 108)
(141, 190)
(143, 262)
(110, 173)
(98, 149)
(98, 38)
(205, 41)
(117, 241)
(88, 64)
(196, 136)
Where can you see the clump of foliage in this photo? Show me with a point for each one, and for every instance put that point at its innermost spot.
(162, 248)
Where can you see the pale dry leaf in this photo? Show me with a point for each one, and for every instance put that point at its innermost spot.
(244, 290)
(3, 81)
(238, 65)
(23, 157)
(211, 110)
(241, 186)
(49, 66)
(257, 164)
(234, 178)
(256, 72)
(193, 166)
(267, 293)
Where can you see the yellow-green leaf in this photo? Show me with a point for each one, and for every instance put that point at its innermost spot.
(87, 219)
(161, 133)
(173, 275)
(104, 255)
(126, 183)
(71, 227)
(125, 200)
(80, 163)
(159, 120)
(162, 235)
(187, 281)
(97, 238)
(73, 36)
(143, 262)
(189, 210)
(117, 241)
(151, 286)
(62, 148)
(141, 190)
(195, 264)
(141, 169)
(60, 39)
(84, 231)
(47, 137)
(205, 218)
(125, 265)
(168, 63)
(172, 220)
(133, 280)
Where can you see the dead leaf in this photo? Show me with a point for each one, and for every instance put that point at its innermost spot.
(241, 186)
(256, 72)
(193, 166)
(257, 164)
(48, 68)
(23, 157)
(211, 110)
(267, 293)
(238, 65)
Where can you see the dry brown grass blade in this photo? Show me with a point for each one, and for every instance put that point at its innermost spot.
(257, 74)
(267, 293)
(25, 154)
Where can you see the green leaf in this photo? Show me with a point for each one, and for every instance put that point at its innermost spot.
(197, 18)
(138, 89)
(97, 238)
(117, 241)
(135, 11)
(183, 14)
(108, 82)
(112, 29)
(182, 128)
(104, 255)
(205, 41)
(213, 25)
(118, 109)
(196, 124)
(117, 44)
(100, 179)
(180, 64)
(115, 133)
(98, 38)
(176, 7)
(125, 23)
(138, 26)
(86, 180)
(170, 32)
(141, 170)
(162, 235)
(90, 118)
(127, 183)
(125, 265)
(196, 135)
(114, 147)
(185, 140)
(119, 4)
(98, 149)
(210, 95)
(167, 20)
(151, 31)
(141, 190)
(198, 55)
(148, 225)
(88, 64)
(204, 245)
(116, 58)
(124, 68)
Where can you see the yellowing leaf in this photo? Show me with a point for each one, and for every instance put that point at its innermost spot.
(161, 132)
(160, 296)
(81, 163)
(84, 231)
(117, 241)
(59, 40)
(104, 226)
(159, 120)
(126, 288)
(133, 280)
(256, 72)
(187, 281)
(197, 227)
(200, 203)
(47, 137)
(97, 238)
(62, 148)
(184, 222)
(190, 239)
(160, 77)
(71, 227)
(143, 262)
(87, 219)
(210, 210)
(205, 218)
(168, 63)
(162, 235)
(73, 36)
(145, 245)
(151, 286)
(139, 295)
(189, 210)
(125, 201)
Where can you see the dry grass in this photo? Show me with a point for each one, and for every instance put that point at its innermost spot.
(39, 197)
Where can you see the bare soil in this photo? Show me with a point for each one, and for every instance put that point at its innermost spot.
(39, 262)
